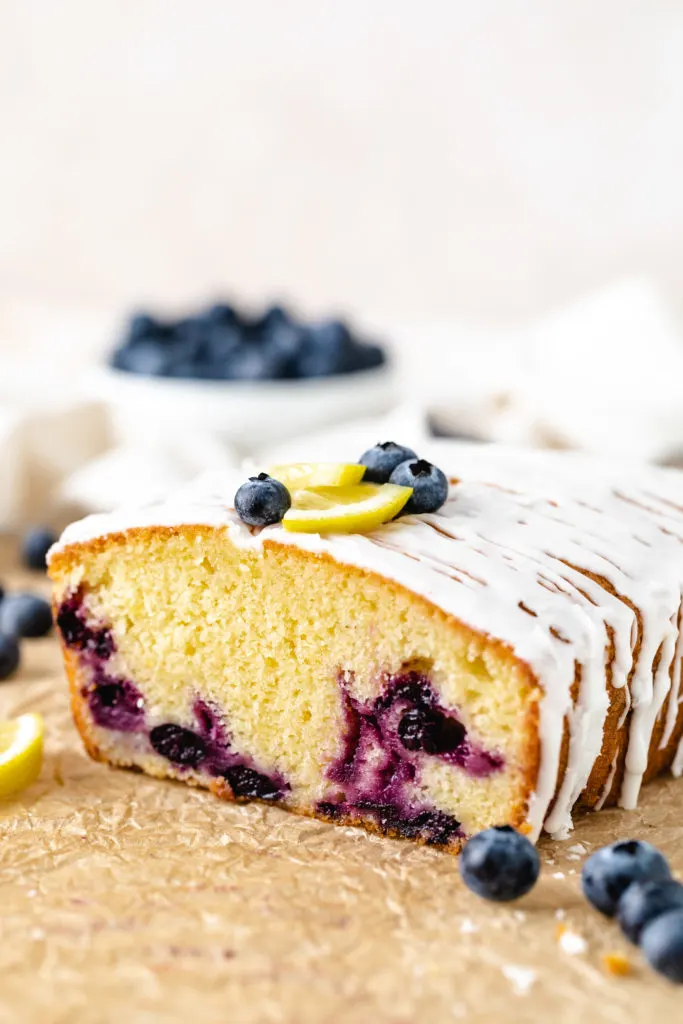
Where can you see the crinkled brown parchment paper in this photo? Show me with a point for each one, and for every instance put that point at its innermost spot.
(126, 899)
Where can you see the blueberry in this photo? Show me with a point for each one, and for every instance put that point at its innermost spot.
(149, 358)
(248, 784)
(436, 827)
(608, 873)
(382, 460)
(177, 744)
(35, 546)
(430, 731)
(499, 864)
(273, 317)
(222, 314)
(9, 655)
(77, 634)
(283, 345)
(254, 362)
(116, 704)
(430, 485)
(222, 341)
(262, 501)
(140, 326)
(326, 349)
(25, 615)
(367, 357)
(662, 944)
(643, 902)
(190, 333)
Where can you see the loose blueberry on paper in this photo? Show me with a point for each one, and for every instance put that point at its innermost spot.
(608, 873)
(662, 945)
(35, 546)
(644, 902)
(9, 656)
(25, 615)
(262, 501)
(500, 864)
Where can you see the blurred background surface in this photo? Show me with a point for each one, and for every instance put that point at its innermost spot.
(406, 159)
(446, 173)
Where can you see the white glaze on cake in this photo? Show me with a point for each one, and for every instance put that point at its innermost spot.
(513, 554)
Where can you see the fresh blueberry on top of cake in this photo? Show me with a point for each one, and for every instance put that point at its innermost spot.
(509, 651)
(262, 501)
(428, 482)
(382, 459)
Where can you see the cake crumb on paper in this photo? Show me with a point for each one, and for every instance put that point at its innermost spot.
(468, 927)
(576, 852)
(578, 849)
(559, 875)
(617, 963)
(521, 978)
(569, 941)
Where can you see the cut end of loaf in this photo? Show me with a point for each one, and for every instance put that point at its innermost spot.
(283, 676)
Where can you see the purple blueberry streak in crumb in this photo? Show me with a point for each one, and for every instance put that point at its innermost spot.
(210, 725)
(116, 704)
(384, 744)
(80, 632)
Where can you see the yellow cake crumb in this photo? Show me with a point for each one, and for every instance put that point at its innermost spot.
(266, 635)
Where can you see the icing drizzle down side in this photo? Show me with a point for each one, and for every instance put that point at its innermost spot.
(575, 564)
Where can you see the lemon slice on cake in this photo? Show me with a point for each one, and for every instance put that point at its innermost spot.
(297, 475)
(354, 508)
(21, 753)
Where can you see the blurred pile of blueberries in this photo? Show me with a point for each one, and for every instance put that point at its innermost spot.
(220, 343)
(22, 614)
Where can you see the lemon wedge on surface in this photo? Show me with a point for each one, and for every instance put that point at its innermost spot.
(296, 475)
(21, 753)
(355, 508)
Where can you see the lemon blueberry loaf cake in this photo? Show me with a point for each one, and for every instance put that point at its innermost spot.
(506, 649)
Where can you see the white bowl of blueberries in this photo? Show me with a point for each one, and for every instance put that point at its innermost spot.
(247, 379)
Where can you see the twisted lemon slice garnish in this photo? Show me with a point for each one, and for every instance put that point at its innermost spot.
(355, 508)
(296, 475)
(21, 753)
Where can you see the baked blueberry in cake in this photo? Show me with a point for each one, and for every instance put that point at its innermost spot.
(422, 660)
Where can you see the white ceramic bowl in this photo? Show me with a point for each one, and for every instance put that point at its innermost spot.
(247, 415)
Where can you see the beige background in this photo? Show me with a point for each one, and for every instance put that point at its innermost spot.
(393, 157)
